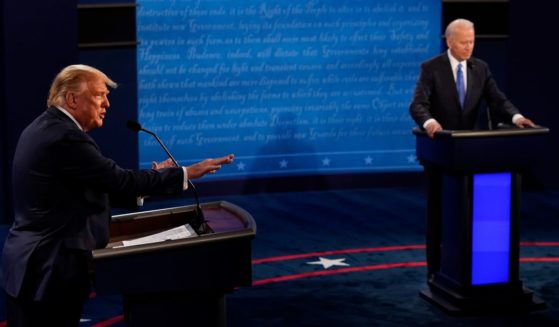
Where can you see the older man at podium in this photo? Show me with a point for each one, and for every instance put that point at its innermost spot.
(448, 95)
(452, 86)
(63, 190)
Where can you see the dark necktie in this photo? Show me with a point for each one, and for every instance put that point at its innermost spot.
(460, 85)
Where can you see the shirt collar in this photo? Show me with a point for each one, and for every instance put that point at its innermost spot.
(454, 63)
(70, 115)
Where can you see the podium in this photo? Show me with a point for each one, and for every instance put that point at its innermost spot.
(476, 198)
(178, 282)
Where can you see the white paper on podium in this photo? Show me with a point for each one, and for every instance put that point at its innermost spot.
(184, 231)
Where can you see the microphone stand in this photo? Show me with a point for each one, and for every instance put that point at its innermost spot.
(200, 225)
(489, 121)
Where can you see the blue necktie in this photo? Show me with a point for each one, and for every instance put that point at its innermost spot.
(460, 85)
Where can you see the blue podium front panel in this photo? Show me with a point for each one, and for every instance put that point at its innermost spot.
(491, 224)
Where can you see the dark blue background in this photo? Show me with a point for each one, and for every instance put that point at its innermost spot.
(39, 38)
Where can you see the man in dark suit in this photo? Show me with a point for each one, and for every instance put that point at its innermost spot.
(436, 103)
(63, 191)
(449, 93)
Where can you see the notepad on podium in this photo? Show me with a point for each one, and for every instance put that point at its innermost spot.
(177, 233)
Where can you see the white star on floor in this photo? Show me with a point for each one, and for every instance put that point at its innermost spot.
(412, 158)
(368, 160)
(283, 163)
(241, 166)
(326, 162)
(327, 263)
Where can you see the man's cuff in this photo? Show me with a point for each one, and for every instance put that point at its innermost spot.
(428, 121)
(516, 117)
(185, 180)
(140, 201)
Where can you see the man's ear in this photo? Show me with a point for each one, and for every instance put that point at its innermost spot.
(71, 99)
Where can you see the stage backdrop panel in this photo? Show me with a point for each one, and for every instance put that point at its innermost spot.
(290, 87)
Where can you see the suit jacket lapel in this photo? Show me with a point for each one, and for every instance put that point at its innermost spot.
(470, 86)
(448, 79)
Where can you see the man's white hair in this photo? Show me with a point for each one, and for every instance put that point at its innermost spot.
(455, 24)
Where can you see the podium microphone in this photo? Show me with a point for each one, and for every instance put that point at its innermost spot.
(199, 225)
(489, 121)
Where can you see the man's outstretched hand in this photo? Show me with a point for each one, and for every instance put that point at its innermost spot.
(201, 168)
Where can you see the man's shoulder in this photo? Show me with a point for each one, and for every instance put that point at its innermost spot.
(476, 62)
(51, 126)
(435, 61)
(51, 117)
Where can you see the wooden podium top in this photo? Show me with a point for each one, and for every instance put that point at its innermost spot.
(216, 261)
(224, 218)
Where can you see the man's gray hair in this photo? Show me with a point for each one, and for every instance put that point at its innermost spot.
(455, 24)
(70, 79)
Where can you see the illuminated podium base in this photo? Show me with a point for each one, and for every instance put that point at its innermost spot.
(474, 198)
(485, 301)
(177, 282)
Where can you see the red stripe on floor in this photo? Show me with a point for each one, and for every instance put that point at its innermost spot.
(364, 250)
(552, 259)
(539, 243)
(334, 252)
(109, 322)
(337, 271)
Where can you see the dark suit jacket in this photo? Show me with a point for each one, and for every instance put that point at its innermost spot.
(61, 189)
(436, 96)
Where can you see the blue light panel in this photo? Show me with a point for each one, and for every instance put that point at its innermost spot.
(491, 228)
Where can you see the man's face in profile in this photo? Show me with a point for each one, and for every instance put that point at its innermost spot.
(91, 104)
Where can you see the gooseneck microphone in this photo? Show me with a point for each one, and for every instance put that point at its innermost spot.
(489, 121)
(200, 224)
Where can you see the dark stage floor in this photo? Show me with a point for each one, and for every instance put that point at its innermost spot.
(356, 258)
